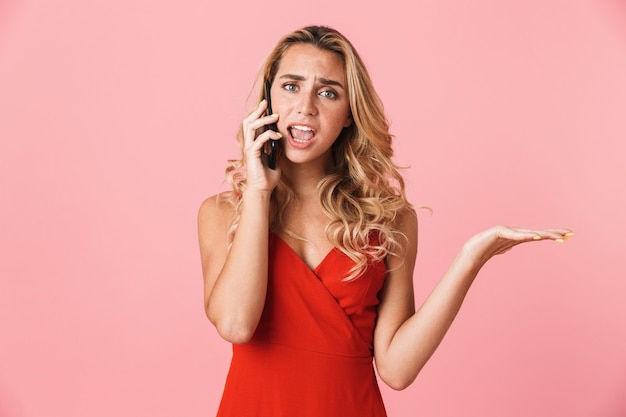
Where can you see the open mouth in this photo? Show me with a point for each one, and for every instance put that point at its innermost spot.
(301, 134)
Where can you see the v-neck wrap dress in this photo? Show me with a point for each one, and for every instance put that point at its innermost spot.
(311, 354)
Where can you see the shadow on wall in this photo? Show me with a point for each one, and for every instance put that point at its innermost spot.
(618, 409)
(9, 404)
(615, 14)
(8, 17)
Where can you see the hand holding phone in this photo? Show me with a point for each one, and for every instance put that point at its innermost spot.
(270, 150)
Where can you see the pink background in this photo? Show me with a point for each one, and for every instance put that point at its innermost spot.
(116, 118)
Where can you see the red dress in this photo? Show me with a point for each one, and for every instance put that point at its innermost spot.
(311, 355)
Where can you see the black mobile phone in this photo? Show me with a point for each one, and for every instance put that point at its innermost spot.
(270, 150)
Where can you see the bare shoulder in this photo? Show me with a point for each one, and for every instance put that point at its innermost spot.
(406, 221)
(214, 218)
(398, 285)
(217, 209)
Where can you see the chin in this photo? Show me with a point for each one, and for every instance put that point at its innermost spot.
(306, 156)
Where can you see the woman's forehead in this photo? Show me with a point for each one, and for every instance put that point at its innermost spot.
(305, 60)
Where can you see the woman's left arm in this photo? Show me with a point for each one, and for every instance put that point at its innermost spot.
(404, 339)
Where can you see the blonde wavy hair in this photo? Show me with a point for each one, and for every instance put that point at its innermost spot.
(363, 192)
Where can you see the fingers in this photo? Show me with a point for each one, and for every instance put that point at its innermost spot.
(252, 126)
(264, 137)
(558, 234)
(256, 120)
(255, 136)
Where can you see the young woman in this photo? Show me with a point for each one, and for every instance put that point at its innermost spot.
(308, 267)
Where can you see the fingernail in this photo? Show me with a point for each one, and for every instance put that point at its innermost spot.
(274, 115)
(537, 237)
(280, 135)
(262, 101)
(559, 240)
(569, 234)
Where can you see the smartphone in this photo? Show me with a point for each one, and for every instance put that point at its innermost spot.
(270, 150)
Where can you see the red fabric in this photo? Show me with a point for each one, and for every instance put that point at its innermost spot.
(311, 355)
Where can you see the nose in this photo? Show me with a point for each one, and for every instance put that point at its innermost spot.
(307, 103)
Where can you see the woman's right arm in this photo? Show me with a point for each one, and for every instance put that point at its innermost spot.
(235, 279)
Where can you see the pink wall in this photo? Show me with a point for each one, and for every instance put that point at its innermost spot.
(116, 119)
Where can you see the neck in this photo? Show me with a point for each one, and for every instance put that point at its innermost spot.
(303, 179)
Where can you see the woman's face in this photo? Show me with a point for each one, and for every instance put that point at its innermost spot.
(310, 95)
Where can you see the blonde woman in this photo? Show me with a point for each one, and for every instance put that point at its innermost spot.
(308, 267)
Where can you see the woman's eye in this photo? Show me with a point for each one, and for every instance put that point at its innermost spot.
(289, 87)
(328, 94)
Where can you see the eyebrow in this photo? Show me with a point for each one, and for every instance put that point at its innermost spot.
(322, 80)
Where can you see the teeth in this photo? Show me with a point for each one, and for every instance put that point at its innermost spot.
(303, 128)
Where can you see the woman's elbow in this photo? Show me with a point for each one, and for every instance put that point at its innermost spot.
(397, 380)
(236, 335)
(397, 384)
(232, 330)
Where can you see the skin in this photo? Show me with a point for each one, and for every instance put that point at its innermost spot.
(309, 90)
